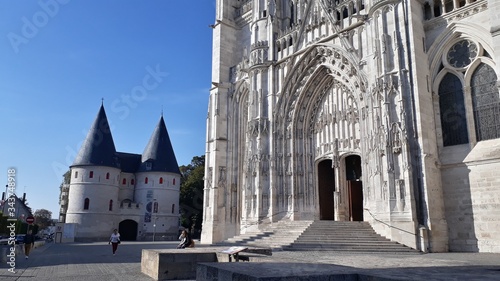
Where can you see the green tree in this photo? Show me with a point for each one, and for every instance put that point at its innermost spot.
(43, 218)
(191, 194)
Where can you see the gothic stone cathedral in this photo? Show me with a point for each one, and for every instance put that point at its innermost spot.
(385, 111)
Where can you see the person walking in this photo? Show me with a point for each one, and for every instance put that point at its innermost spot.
(29, 243)
(114, 240)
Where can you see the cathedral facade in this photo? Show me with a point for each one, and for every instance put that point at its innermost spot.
(138, 194)
(385, 111)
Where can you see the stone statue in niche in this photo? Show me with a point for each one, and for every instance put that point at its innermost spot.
(222, 177)
(255, 163)
(289, 168)
(401, 194)
(396, 139)
(289, 131)
(264, 164)
(279, 164)
(208, 178)
(248, 166)
(264, 127)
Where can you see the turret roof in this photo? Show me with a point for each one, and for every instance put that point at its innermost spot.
(159, 155)
(98, 148)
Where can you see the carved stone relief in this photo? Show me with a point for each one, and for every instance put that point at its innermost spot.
(222, 177)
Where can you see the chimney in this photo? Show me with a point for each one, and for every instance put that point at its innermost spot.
(3, 196)
(24, 197)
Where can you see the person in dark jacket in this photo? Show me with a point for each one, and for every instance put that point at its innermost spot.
(185, 240)
(29, 243)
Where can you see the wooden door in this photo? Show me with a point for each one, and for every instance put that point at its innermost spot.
(355, 200)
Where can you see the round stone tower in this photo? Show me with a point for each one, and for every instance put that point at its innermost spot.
(94, 185)
(158, 185)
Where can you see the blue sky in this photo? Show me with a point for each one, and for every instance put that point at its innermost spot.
(59, 58)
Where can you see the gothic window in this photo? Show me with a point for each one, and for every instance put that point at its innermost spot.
(161, 180)
(427, 11)
(448, 5)
(91, 174)
(451, 105)
(462, 53)
(437, 8)
(146, 180)
(345, 13)
(124, 181)
(485, 103)
(111, 205)
(86, 204)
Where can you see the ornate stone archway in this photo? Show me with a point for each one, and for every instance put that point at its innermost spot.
(317, 117)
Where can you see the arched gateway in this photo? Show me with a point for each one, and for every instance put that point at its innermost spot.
(128, 230)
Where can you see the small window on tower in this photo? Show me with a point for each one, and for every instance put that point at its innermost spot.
(76, 174)
(107, 176)
(146, 180)
(173, 208)
(91, 174)
(132, 181)
(124, 181)
(86, 204)
(173, 181)
(161, 180)
(111, 205)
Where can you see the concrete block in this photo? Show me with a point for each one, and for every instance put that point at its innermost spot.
(175, 264)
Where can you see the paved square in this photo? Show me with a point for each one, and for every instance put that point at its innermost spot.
(95, 262)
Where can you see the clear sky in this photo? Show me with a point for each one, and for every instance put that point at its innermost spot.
(59, 58)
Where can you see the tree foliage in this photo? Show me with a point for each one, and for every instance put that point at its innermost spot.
(191, 194)
(43, 218)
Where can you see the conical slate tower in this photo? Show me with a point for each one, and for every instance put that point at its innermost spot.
(159, 155)
(98, 149)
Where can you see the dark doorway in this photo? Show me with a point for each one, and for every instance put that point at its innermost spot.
(355, 187)
(355, 200)
(128, 230)
(326, 184)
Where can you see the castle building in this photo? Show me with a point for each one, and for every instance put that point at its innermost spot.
(384, 111)
(136, 194)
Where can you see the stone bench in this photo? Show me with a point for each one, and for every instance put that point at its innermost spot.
(174, 264)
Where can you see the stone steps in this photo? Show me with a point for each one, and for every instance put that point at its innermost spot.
(274, 236)
(339, 236)
(345, 236)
